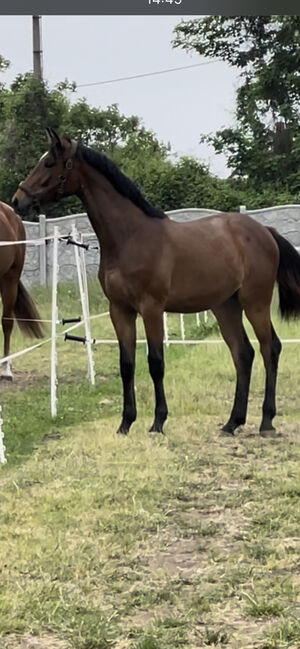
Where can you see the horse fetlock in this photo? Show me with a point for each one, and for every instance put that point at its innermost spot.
(157, 427)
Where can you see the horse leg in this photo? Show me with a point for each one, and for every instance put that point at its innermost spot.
(124, 321)
(9, 292)
(154, 328)
(229, 316)
(270, 347)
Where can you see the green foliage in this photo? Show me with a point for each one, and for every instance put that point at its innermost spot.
(264, 144)
(28, 106)
(4, 63)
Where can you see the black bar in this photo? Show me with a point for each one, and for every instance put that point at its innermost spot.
(71, 241)
(149, 7)
(69, 320)
(78, 339)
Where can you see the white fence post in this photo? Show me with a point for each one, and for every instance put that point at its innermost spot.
(42, 252)
(182, 330)
(3, 459)
(166, 333)
(83, 289)
(55, 269)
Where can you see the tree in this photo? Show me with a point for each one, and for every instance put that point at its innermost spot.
(264, 145)
(29, 106)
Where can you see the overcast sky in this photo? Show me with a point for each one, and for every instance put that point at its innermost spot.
(178, 106)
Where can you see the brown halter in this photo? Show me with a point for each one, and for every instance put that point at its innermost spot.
(58, 185)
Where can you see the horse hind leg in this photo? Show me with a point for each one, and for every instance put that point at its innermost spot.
(229, 316)
(9, 292)
(270, 347)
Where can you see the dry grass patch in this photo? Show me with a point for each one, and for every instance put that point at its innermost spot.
(187, 540)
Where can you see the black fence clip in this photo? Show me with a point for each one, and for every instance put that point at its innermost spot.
(78, 339)
(71, 241)
(69, 320)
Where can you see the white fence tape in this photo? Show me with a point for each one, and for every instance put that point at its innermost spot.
(205, 341)
(31, 242)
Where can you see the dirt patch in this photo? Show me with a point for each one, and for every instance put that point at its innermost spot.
(180, 559)
(23, 379)
(33, 642)
(239, 632)
(142, 619)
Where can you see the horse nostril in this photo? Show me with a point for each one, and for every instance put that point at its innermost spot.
(15, 203)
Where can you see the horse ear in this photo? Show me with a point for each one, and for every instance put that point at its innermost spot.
(54, 138)
(48, 133)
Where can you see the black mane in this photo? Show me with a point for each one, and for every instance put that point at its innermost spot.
(120, 182)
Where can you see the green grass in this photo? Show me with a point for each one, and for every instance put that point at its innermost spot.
(181, 541)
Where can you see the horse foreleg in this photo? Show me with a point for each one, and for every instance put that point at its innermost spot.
(124, 321)
(153, 322)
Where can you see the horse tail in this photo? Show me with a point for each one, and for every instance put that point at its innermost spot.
(288, 277)
(27, 314)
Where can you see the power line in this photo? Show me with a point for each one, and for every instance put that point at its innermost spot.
(146, 74)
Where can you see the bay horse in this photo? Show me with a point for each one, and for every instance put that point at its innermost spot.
(16, 301)
(149, 264)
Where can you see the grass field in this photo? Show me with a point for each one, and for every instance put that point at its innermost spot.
(186, 540)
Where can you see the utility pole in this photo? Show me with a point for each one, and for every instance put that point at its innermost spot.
(37, 46)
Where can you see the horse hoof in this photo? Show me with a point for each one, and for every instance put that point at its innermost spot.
(3, 377)
(227, 430)
(226, 433)
(156, 429)
(122, 431)
(268, 432)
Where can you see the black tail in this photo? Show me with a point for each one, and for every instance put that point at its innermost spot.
(288, 277)
(27, 314)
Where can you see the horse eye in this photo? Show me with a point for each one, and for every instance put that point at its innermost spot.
(49, 163)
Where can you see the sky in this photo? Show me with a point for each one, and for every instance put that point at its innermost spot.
(178, 106)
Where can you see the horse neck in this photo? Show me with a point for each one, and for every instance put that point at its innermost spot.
(113, 217)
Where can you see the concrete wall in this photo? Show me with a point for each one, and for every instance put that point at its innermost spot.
(38, 263)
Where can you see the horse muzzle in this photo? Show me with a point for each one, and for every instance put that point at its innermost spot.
(24, 204)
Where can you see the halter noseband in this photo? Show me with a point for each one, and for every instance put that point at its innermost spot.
(58, 185)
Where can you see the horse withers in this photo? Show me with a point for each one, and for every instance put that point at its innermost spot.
(228, 263)
(16, 301)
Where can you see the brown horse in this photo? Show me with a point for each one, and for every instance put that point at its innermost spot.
(15, 299)
(149, 264)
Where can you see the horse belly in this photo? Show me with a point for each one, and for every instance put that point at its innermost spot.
(198, 293)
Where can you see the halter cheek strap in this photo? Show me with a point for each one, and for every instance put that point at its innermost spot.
(59, 184)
